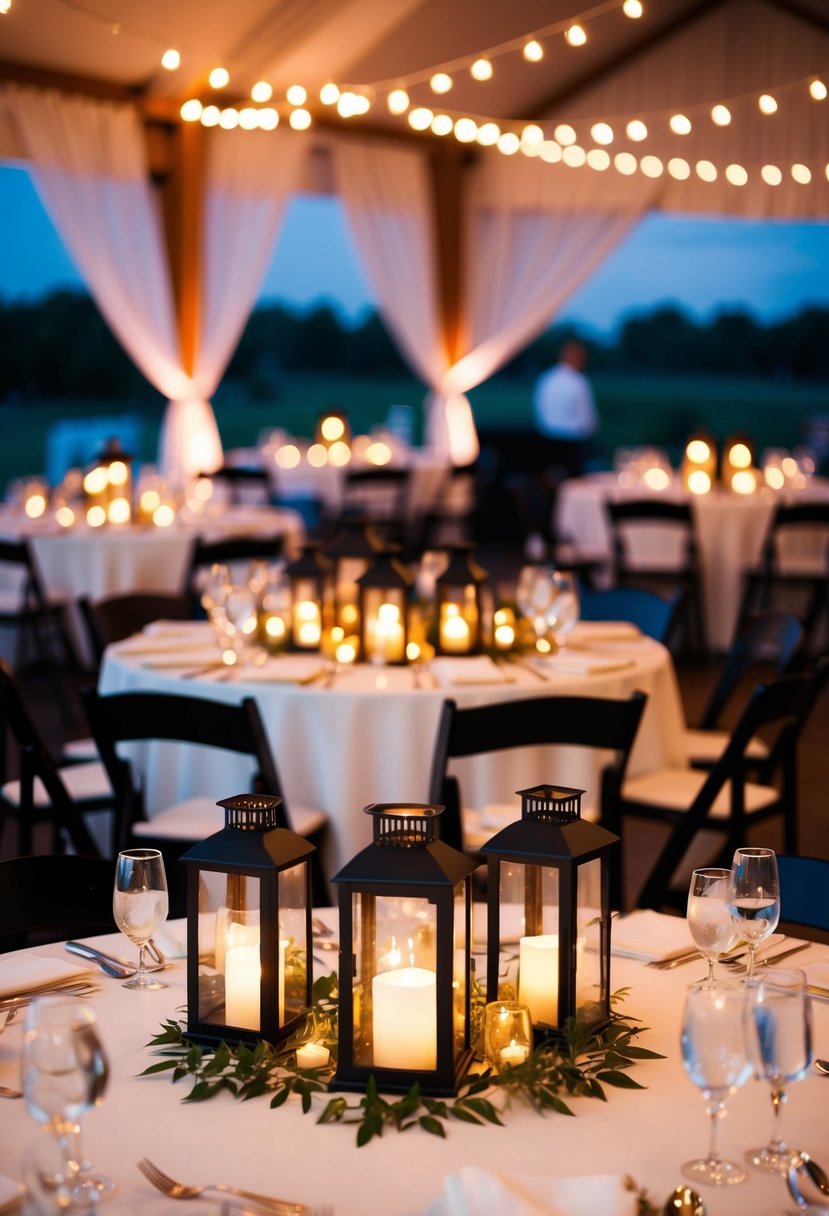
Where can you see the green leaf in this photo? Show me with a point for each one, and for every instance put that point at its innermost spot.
(460, 1112)
(201, 1091)
(484, 1108)
(433, 1126)
(163, 1066)
(334, 1111)
(620, 1079)
(280, 1097)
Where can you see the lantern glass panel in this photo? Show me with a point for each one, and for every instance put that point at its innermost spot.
(228, 929)
(384, 626)
(530, 899)
(307, 614)
(590, 985)
(395, 982)
(293, 922)
(459, 976)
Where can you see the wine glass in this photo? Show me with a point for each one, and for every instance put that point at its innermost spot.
(709, 918)
(780, 1044)
(714, 1052)
(139, 905)
(216, 584)
(65, 1073)
(563, 610)
(534, 595)
(754, 898)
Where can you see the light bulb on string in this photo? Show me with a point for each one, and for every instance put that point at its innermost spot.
(679, 169)
(802, 174)
(268, 119)
(532, 134)
(721, 115)
(248, 118)
(818, 90)
(633, 9)
(564, 134)
(442, 124)
(210, 116)
(625, 163)
(229, 119)
(575, 35)
(533, 51)
(261, 91)
(598, 159)
(706, 172)
(767, 104)
(300, 119)
(680, 124)
(736, 175)
(440, 82)
(636, 130)
(488, 133)
(171, 59)
(219, 78)
(602, 133)
(574, 156)
(651, 166)
(398, 101)
(466, 130)
(550, 152)
(330, 94)
(508, 143)
(5, 5)
(771, 175)
(420, 118)
(191, 110)
(481, 69)
(296, 95)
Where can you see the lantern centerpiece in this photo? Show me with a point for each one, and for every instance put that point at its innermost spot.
(248, 927)
(108, 487)
(310, 578)
(384, 591)
(548, 883)
(352, 551)
(461, 610)
(404, 1005)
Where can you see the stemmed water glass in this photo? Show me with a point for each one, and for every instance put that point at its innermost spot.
(65, 1073)
(714, 1052)
(140, 904)
(780, 1045)
(754, 898)
(534, 594)
(709, 919)
(563, 611)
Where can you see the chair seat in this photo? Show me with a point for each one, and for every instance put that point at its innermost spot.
(198, 818)
(706, 746)
(675, 789)
(78, 750)
(85, 783)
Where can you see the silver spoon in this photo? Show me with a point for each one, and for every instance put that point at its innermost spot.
(684, 1202)
(808, 1184)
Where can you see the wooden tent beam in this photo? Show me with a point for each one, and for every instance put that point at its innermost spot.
(447, 166)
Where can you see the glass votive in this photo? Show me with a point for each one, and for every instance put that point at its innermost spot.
(507, 1034)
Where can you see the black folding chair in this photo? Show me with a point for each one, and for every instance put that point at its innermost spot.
(52, 897)
(804, 883)
(654, 615)
(118, 617)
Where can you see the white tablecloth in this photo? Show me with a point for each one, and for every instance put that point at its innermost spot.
(645, 1133)
(730, 532)
(369, 737)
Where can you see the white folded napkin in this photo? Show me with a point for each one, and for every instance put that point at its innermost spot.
(171, 937)
(31, 971)
(585, 632)
(202, 656)
(479, 1192)
(817, 975)
(649, 936)
(476, 669)
(577, 664)
(287, 669)
(173, 629)
(185, 644)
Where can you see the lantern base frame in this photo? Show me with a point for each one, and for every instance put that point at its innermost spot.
(400, 1081)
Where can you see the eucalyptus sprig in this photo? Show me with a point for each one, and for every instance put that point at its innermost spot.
(592, 1050)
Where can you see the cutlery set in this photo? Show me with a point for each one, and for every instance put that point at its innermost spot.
(249, 1201)
(732, 960)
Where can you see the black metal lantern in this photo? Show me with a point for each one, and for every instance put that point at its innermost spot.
(404, 957)
(352, 553)
(108, 487)
(549, 888)
(384, 592)
(311, 581)
(248, 927)
(461, 607)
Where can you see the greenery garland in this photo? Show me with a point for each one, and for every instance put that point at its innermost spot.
(592, 1051)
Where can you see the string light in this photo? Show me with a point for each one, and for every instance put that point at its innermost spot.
(466, 130)
(296, 95)
(398, 101)
(210, 116)
(330, 94)
(565, 134)
(766, 104)
(261, 91)
(532, 134)
(602, 133)
(680, 124)
(679, 168)
(442, 124)
(636, 130)
(651, 166)
(575, 35)
(802, 174)
(219, 78)
(420, 118)
(481, 70)
(171, 59)
(551, 152)
(721, 116)
(508, 143)
(625, 163)
(488, 133)
(229, 119)
(248, 118)
(706, 172)
(598, 159)
(533, 51)
(633, 9)
(818, 90)
(441, 82)
(5, 5)
(574, 156)
(771, 175)
(268, 119)
(736, 174)
(300, 119)
(191, 110)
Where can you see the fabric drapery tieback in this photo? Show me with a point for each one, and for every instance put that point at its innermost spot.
(450, 427)
(190, 441)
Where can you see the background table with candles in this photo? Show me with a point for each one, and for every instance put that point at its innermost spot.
(368, 737)
(730, 530)
(281, 1152)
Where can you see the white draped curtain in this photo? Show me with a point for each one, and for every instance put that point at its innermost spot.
(528, 249)
(249, 179)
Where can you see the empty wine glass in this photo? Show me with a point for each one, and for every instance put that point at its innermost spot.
(65, 1073)
(534, 595)
(563, 611)
(139, 905)
(754, 898)
(215, 586)
(780, 1045)
(714, 1053)
(709, 919)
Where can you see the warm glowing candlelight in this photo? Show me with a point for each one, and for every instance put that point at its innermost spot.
(312, 1055)
(405, 1018)
(538, 976)
(454, 632)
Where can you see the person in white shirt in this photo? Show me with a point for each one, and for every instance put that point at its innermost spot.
(565, 409)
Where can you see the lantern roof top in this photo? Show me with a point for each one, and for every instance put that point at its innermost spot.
(545, 840)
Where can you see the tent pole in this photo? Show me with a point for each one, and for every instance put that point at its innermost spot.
(447, 166)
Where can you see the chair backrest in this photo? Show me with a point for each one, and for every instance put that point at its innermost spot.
(772, 638)
(804, 882)
(799, 517)
(17, 556)
(231, 549)
(650, 511)
(143, 716)
(243, 483)
(36, 761)
(653, 614)
(112, 620)
(52, 897)
(592, 722)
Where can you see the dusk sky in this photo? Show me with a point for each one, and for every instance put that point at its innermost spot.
(703, 265)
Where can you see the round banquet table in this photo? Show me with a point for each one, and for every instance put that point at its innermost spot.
(368, 737)
(117, 560)
(730, 530)
(644, 1133)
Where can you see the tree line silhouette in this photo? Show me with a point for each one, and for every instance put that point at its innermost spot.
(61, 347)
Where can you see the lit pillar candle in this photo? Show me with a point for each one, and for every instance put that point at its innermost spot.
(515, 1053)
(388, 634)
(307, 623)
(243, 980)
(312, 1055)
(538, 977)
(405, 1018)
(454, 632)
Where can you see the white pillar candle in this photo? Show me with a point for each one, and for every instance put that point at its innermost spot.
(307, 623)
(243, 980)
(516, 1053)
(388, 634)
(312, 1055)
(405, 1018)
(538, 977)
(454, 634)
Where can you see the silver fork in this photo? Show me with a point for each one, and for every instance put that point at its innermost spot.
(179, 1190)
(9, 1018)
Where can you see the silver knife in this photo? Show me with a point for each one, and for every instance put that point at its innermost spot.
(117, 967)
